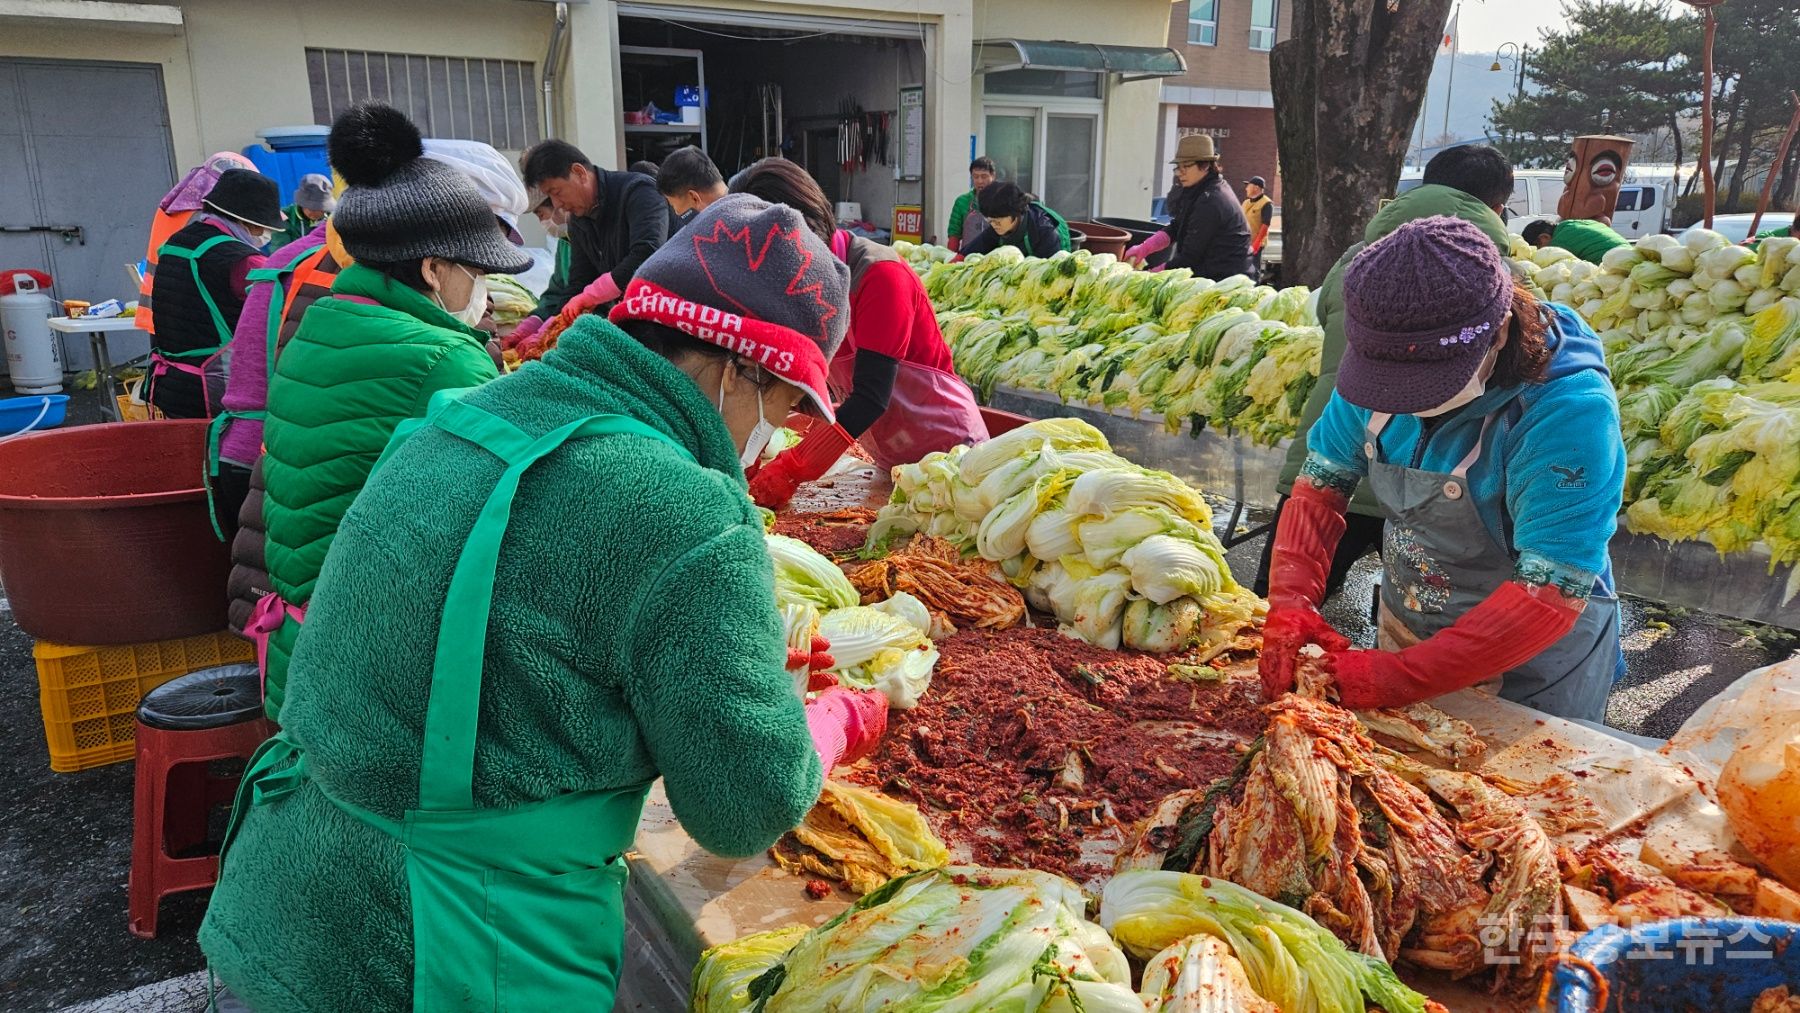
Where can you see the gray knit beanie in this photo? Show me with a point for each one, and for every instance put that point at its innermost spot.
(401, 206)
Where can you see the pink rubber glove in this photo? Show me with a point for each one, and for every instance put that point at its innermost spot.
(846, 724)
(1508, 628)
(1158, 242)
(526, 328)
(599, 292)
(812, 457)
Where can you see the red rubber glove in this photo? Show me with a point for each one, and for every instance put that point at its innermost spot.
(817, 663)
(599, 292)
(812, 457)
(1312, 522)
(1510, 627)
(846, 724)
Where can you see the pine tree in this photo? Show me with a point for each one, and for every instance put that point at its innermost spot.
(1619, 67)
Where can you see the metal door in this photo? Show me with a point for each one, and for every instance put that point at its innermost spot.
(84, 159)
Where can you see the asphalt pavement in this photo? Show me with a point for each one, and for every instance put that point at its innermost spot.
(65, 839)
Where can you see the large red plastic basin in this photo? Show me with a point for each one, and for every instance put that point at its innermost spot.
(105, 536)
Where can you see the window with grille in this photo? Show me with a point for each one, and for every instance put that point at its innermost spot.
(452, 97)
(1263, 16)
(1203, 22)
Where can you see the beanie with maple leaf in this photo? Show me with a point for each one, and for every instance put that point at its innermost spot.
(749, 276)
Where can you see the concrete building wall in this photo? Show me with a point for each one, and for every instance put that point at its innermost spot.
(1129, 176)
(236, 66)
(1246, 140)
(1226, 87)
(1231, 63)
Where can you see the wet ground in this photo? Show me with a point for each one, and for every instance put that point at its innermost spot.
(65, 839)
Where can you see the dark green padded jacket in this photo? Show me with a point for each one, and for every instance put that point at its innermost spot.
(363, 361)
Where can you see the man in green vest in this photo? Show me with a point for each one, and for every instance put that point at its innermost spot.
(966, 221)
(1588, 240)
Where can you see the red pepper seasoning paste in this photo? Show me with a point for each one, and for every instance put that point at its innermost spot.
(1031, 744)
(830, 533)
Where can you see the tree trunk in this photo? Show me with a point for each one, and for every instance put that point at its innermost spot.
(1722, 135)
(1784, 187)
(1746, 146)
(1675, 132)
(1347, 86)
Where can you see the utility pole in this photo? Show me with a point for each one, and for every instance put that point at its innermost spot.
(1455, 46)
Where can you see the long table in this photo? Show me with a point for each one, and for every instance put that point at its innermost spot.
(1686, 574)
(682, 900)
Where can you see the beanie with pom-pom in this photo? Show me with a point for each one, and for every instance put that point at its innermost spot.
(401, 206)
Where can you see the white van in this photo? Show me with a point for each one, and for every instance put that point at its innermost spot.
(1643, 207)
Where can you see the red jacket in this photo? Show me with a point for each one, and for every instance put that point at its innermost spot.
(890, 313)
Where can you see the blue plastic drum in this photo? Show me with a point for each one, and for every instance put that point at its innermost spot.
(1718, 965)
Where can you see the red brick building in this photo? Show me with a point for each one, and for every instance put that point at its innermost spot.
(1225, 91)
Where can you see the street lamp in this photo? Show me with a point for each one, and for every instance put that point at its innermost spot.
(1517, 59)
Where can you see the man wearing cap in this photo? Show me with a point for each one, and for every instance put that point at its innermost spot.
(1484, 423)
(313, 203)
(552, 593)
(203, 273)
(1259, 212)
(1207, 227)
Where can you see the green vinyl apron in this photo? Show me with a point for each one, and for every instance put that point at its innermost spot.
(202, 363)
(516, 909)
(215, 430)
(1439, 560)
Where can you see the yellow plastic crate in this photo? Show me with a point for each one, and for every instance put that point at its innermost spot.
(89, 695)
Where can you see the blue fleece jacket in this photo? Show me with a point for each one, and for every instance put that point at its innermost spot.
(1553, 465)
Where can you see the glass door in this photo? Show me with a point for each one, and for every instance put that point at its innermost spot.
(1012, 142)
(1071, 147)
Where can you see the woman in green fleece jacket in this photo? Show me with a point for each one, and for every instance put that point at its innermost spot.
(478, 705)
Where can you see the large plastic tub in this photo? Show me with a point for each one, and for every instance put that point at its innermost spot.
(1103, 238)
(105, 536)
(1719, 964)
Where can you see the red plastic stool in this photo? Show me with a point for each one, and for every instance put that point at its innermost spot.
(184, 725)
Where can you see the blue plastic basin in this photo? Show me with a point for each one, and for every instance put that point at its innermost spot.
(1719, 965)
(18, 413)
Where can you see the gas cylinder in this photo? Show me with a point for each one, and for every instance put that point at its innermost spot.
(33, 355)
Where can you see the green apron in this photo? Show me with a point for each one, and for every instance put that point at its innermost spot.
(208, 370)
(517, 909)
(215, 431)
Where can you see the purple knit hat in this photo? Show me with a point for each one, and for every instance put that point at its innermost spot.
(1422, 308)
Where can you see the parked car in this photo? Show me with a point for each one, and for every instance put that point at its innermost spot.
(1736, 227)
(1642, 209)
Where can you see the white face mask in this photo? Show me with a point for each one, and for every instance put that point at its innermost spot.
(760, 434)
(260, 237)
(476, 308)
(1476, 387)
